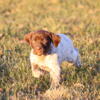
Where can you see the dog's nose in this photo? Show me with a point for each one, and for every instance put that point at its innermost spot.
(38, 48)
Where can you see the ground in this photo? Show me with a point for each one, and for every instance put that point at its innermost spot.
(80, 18)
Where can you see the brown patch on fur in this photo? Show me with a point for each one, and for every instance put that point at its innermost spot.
(44, 68)
(28, 37)
(36, 66)
(55, 39)
(41, 68)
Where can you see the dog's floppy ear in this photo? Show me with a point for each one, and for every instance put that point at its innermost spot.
(28, 37)
(55, 39)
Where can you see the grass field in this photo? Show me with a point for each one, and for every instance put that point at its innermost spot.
(79, 17)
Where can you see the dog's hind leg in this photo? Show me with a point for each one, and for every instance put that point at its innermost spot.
(77, 61)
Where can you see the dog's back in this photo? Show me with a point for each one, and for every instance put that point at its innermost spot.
(66, 50)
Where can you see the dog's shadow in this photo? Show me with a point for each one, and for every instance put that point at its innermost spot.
(3, 71)
(4, 76)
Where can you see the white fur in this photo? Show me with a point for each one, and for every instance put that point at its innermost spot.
(64, 52)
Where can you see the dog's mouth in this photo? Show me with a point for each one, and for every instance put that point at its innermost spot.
(40, 52)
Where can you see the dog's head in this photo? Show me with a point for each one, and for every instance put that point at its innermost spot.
(41, 41)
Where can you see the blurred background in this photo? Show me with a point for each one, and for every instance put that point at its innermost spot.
(81, 18)
(53, 15)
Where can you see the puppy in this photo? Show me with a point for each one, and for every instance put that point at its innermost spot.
(48, 52)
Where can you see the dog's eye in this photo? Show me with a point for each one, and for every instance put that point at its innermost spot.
(44, 41)
(35, 39)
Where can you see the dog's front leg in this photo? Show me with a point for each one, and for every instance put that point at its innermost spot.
(36, 72)
(55, 77)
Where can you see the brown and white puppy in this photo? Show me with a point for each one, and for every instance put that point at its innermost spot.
(48, 52)
(41, 41)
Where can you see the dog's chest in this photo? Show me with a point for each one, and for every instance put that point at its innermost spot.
(47, 60)
(38, 60)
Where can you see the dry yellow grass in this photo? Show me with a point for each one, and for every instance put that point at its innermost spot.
(78, 17)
